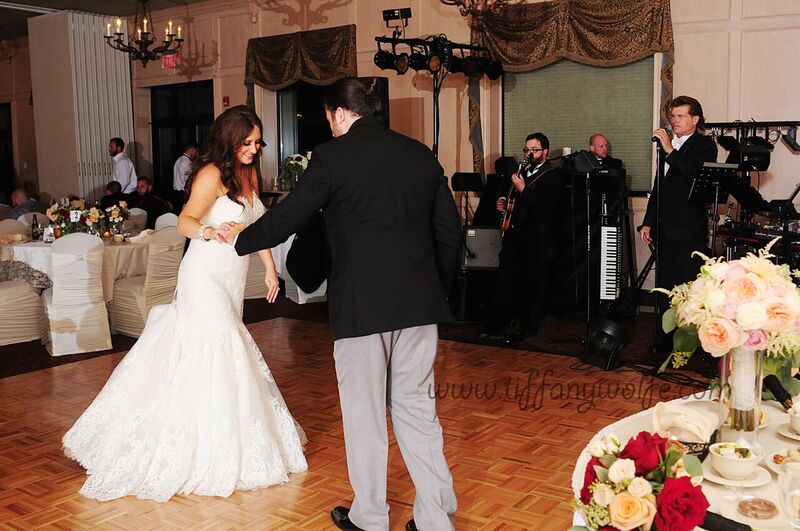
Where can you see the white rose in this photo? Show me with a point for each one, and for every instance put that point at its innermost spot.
(611, 443)
(603, 494)
(596, 448)
(622, 469)
(751, 315)
(715, 302)
(718, 270)
(640, 487)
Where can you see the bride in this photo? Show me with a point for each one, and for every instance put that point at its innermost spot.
(193, 408)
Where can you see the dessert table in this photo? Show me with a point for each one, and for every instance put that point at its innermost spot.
(121, 260)
(723, 499)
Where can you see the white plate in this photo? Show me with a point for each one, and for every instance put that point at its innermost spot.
(730, 509)
(772, 465)
(759, 477)
(786, 431)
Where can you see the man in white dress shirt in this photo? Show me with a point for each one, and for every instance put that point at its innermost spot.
(183, 166)
(124, 172)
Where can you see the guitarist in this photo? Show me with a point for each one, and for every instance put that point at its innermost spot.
(529, 214)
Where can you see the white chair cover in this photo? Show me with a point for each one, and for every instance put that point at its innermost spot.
(76, 311)
(137, 219)
(166, 220)
(134, 297)
(255, 287)
(27, 219)
(21, 314)
(12, 226)
(5, 211)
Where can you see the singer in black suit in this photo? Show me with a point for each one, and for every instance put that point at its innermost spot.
(529, 245)
(395, 238)
(684, 222)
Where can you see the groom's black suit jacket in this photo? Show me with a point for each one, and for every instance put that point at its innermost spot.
(394, 231)
(682, 219)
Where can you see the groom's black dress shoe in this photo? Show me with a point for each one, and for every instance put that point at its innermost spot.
(341, 518)
(411, 525)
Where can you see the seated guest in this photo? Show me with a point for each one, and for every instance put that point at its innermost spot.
(145, 199)
(113, 195)
(24, 204)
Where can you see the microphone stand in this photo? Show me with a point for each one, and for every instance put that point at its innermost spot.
(657, 247)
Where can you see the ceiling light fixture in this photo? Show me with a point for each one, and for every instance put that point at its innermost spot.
(139, 42)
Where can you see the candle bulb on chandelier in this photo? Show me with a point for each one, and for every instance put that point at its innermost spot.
(145, 24)
(166, 34)
(169, 25)
(108, 29)
(119, 25)
(139, 31)
(179, 32)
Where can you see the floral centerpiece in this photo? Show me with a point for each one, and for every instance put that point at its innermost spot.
(651, 482)
(291, 169)
(115, 216)
(740, 309)
(72, 216)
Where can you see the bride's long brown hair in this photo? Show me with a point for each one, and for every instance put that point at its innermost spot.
(230, 130)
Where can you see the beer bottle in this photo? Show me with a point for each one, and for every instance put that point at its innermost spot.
(36, 230)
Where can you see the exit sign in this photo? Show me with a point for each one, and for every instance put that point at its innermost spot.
(169, 61)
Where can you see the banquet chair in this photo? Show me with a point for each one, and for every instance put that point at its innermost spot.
(5, 211)
(75, 309)
(21, 314)
(166, 220)
(27, 219)
(135, 296)
(12, 226)
(137, 219)
(254, 286)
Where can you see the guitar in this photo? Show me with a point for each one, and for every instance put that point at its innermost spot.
(511, 197)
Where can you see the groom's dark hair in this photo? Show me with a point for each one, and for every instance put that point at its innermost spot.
(359, 97)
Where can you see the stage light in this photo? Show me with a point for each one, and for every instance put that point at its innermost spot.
(434, 64)
(728, 143)
(456, 64)
(495, 70)
(401, 63)
(384, 60)
(470, 65)
(604, 339)
(396, 14)
(790, 138)
(418, 61)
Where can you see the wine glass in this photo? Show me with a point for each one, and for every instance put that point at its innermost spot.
(789, 484)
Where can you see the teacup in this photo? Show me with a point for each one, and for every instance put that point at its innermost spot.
(794, 421)
(119, 238)
(733, 466)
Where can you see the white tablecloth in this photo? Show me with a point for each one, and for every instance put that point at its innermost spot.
(292, 291)
(716, 494)
(119, 261)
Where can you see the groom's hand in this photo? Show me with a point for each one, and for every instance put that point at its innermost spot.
(229, 230)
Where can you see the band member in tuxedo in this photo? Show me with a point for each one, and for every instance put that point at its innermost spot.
(598, 144)
(529, 245)
(684, 223)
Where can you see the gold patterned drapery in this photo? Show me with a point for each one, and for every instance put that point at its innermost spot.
(525, 37)
(319, 57)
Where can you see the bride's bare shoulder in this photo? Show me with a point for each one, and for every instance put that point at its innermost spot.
(208, 177)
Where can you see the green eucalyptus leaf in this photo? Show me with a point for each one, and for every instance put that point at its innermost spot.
(685, 339)
(601, 473)
(668, 320)
(608, 460)
(692, 465)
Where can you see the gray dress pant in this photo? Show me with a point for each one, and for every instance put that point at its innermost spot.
(394, 370)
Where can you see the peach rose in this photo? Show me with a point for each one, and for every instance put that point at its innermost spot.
(744, 288)
(629, 512)
(779, 315)
(719, 335)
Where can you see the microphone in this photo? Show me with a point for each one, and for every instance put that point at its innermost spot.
(772, 383)
(667, 128)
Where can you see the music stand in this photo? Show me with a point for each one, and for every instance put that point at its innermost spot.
(712, 186)
(466, 182)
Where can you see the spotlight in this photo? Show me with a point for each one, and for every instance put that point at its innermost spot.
(756, 153)
(384, 59)
(456, 64)
(604, 339)
(790, 137)
(470, 65)
(401, 63)
(728, 143)
(495, 70)
(434, 64)
(396, 14)
(418, 61)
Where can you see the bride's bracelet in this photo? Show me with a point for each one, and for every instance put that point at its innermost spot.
(201, 232)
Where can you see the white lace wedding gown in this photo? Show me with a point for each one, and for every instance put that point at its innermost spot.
(192, 408)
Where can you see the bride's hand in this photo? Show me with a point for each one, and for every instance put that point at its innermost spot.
(271, 280)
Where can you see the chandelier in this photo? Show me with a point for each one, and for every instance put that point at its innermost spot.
(476, 8)
(139, 42)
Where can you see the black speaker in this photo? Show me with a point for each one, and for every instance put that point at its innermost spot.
(481, 247)
(383, 91)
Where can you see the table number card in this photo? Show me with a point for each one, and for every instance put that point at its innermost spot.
(74, 216)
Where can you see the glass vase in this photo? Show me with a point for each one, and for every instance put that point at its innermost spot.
(741, 377)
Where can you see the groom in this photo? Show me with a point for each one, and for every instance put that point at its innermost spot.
(395, 238)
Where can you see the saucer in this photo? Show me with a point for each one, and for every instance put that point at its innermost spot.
(786, 431)
(760, 477)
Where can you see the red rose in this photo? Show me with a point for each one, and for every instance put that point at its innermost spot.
(681, 506)
(588, 478)
(646, 450)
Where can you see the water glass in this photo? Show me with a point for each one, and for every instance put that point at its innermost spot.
(789, 485)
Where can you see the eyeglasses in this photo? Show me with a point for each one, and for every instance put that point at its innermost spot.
(534, 150)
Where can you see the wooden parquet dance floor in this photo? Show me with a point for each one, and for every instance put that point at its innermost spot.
(514, 423)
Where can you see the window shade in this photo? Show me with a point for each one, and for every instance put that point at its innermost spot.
(569, 102)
